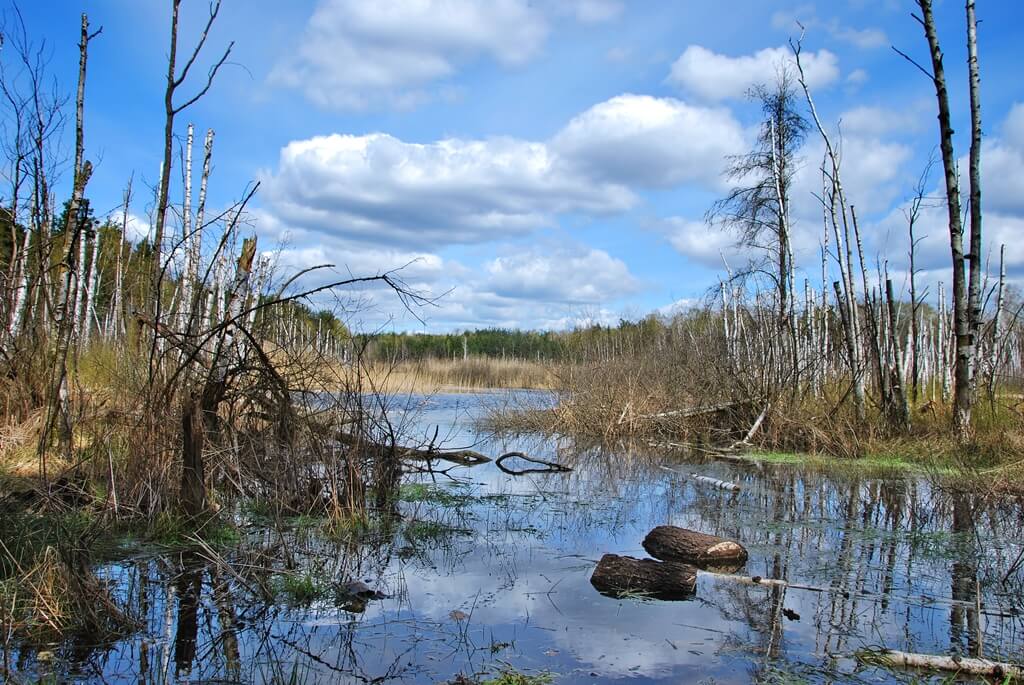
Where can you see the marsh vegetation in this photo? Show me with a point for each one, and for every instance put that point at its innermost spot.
(208, 473)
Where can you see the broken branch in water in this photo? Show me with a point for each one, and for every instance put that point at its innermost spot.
(714, 482)
(983, 667)
(997, 612)
(549, 466)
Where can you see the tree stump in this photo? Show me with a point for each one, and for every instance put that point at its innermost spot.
(670, 543)
(616, 575)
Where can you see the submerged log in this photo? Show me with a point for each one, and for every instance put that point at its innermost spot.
(680, 544)
(982, 667)
(670, 580)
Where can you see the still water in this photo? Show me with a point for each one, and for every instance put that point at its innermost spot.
(489, 572)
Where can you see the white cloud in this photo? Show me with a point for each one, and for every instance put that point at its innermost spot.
(865, 39)
(1002, 167)
(137, 229)
(573, 276)
(857, 77)
(651, 142)
(713, 76)
(678, 306)
(355, 53)
(379, 189)
(711, 246)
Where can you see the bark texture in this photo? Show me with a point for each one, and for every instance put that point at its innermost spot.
(680, 544)
(618, 575)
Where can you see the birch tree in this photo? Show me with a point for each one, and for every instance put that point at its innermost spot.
(966, 287)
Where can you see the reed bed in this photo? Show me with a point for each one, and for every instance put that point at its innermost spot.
(433, 375)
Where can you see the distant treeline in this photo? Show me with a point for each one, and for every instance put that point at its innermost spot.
(507, 343)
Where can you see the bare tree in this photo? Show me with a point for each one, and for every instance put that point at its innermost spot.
(58, 404)
(174, 81)
(758, 208)
(966, 294)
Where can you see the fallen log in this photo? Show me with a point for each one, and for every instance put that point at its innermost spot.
(461, 457)
(715, 483)
(671, 543)
(729, 576)
(982, 667)
(618, 575)
(549, 466)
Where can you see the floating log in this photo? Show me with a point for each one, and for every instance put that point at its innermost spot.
(982, 667)
(671, 543)
(715, 483)
(549, 466)
(618, 575)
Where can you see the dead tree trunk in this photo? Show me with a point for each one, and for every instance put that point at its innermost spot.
(965, 349)
(58, 404)
(618, 575)
(680, 544)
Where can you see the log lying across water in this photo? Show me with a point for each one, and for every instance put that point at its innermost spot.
(617, 575)
(982, 667)
(671, 543)
(715, 483)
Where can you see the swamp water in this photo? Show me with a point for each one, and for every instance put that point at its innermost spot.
(491, 574)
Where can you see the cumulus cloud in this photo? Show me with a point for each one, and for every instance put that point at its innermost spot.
(1002, 166)
(377, 188)
(711, 246)
(868, 120)
(572, 276)
(355, 53)
(713, 76)
(651, 142)
(381, 189)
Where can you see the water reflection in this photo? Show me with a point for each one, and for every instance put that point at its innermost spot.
(495, 569)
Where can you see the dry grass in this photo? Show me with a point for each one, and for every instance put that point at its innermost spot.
(435, 375)
(49, 601)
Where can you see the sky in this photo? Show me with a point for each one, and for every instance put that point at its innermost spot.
(538, 164)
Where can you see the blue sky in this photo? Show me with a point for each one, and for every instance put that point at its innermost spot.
(542, 162)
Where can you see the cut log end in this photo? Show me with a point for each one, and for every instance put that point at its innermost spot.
(619, 576)
(671, 543)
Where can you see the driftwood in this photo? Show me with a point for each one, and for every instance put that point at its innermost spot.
(680, 544)
(549, 466)
(983, 667)
(461, 457)
(996, 612)
(715, 483)
(617, 575)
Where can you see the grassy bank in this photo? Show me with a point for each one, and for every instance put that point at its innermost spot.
(644, 402)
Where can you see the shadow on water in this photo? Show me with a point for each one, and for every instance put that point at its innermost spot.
(487, 571)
